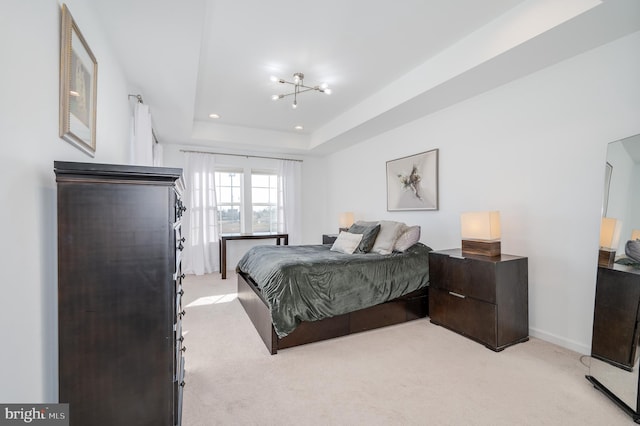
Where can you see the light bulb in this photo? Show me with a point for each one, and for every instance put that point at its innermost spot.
(294, 105)
(274, 78)
(327, 91)
(276, 97)
(324, 86)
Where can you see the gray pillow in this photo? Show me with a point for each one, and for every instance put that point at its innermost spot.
(369, 234)
(632, 249)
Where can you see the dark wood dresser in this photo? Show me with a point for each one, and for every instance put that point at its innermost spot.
(483, 298)
(119, 294)
(616, 316)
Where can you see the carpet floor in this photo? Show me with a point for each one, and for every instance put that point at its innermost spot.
(415, 373)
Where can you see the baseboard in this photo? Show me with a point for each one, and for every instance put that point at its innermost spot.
(579, 347)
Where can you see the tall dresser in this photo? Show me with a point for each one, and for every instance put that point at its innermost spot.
(119, 294)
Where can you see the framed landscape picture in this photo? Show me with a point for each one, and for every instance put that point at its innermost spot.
(412, 182)
(78, 87)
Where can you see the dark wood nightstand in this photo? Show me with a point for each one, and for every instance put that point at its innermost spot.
(329, 238)
(615, 330)
(483, 298)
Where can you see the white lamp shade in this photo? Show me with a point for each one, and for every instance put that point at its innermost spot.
(610, 233)
(635, 234)
(346, 219)
(483, 226)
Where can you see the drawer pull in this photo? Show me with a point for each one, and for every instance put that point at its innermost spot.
(181, 292)
(184, 349)
(180, 247)
(461, 296)
(183, 313)
(182, 383)
(181, 339)
(182, 276)
(183, 239)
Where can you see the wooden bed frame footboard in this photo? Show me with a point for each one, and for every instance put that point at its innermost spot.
(406, 308)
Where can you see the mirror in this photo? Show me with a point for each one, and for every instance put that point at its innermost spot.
(616, 334)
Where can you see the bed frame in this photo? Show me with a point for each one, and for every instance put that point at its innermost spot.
(406, 308)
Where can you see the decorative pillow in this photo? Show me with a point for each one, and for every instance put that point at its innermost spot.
(408, 238)
(346, 242)
(632, 249)
(389, 233)
(366, 223)
(369, 234)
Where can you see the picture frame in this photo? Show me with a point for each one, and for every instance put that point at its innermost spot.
(607, 184)
(412, 182)
(78, 87)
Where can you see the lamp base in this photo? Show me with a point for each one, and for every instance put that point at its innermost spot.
(606, 257)
(482, 248)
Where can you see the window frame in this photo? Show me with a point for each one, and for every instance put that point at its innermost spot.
(246, 204)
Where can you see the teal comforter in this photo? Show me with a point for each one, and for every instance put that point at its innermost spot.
(310, 282)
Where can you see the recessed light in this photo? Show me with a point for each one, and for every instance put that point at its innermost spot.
(299, 128)
(214, 115)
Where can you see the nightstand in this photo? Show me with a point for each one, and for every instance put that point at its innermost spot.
(616, 312)
(483, 298)
(329, 238)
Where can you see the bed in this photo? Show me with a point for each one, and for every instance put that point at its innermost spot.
(301, 294)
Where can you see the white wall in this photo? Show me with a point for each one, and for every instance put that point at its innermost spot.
(534, 149)
(29, 80)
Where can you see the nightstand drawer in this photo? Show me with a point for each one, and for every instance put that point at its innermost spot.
(470, 317)
(463, 276)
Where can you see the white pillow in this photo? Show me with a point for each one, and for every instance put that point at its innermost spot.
(389, 233)
(408, 238)
(346, 242)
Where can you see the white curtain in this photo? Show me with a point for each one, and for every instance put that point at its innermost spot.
(289, 210)
(201, 253)
(141, 136)
(158, 155)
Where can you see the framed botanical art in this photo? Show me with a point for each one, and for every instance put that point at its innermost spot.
(412, 182)
(78, 87)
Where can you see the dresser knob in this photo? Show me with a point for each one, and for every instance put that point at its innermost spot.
(181, 339)
(182, 276)
(182, 383)
(183, 239)
(183, 313)
(184, 349)
(181, 292)
(180, 247)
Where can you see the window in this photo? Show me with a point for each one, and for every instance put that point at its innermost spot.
(247, 201)
(264, 202)
(229, 200)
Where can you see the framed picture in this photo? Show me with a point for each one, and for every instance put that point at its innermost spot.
(412, 182)
(78, 87)
(607, 184)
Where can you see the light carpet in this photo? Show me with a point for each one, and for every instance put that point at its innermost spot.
(415, 373)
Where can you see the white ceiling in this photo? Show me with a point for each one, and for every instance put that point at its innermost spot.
(387, 62)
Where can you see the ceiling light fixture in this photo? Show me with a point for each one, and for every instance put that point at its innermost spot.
(298, 87)
(214, 115)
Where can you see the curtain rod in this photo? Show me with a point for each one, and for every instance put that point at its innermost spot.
(239, 155)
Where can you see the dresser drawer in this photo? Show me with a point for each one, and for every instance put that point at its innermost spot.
(464, 276)
(468, 316)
